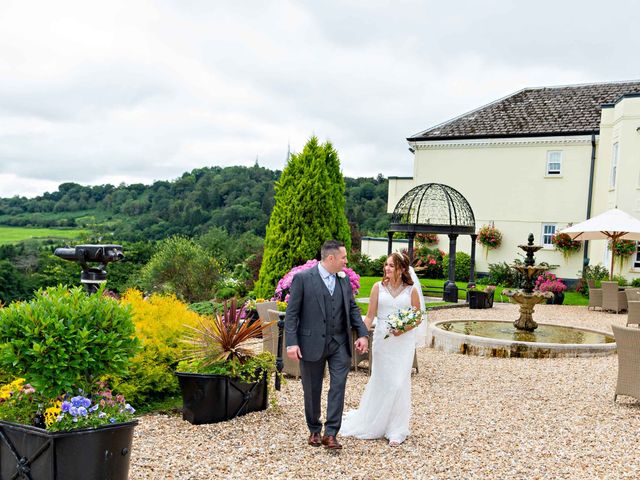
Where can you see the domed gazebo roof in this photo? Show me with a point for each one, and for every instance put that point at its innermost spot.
(433, 208)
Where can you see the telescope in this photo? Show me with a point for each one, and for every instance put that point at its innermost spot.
(91, 277)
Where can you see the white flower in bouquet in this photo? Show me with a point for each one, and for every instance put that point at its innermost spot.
(404, 320)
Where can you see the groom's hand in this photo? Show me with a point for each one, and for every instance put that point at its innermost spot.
(362, 345)
(294, 353)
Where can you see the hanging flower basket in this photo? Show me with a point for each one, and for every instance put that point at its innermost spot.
(622, 249)
(428, 239)
(566, 244)
(489, 237)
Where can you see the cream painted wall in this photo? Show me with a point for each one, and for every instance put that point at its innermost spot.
(619, 123)
(377, 247)
(504, 181)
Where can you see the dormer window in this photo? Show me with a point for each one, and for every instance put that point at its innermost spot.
(554, 163)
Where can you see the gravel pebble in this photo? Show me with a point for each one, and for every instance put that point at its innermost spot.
(473, 417)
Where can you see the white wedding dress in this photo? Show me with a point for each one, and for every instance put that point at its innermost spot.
(385, 407)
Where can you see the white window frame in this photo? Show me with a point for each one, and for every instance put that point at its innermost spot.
(636, 261)
(613, 174)
(555, 172)
(553, 226)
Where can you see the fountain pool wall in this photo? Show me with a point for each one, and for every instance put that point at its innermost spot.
(448, 336)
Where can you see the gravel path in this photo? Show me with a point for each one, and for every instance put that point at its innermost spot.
(473, 417)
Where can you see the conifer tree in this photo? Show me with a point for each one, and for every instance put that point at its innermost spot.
(309, 209)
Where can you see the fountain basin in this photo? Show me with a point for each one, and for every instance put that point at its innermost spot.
(501, 339)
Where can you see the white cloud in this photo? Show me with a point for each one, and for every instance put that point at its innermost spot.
(141, 90)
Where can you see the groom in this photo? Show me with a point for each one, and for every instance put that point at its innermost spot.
(320, 315)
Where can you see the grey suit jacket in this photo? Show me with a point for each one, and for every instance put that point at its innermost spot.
(305, 322)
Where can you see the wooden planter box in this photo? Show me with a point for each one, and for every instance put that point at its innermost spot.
(216, 398)
(90, 453)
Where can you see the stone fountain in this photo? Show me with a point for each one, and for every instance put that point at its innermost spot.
(526, 296)
(522, 338)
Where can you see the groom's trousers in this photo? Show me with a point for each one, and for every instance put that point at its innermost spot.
(336, 355)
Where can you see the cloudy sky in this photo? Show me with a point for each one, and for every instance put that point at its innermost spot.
(98, 92)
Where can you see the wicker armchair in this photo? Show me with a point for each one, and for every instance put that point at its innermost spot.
(613, 298)
(633, 306)
(595, 295)
(291, 367)
(628, 343)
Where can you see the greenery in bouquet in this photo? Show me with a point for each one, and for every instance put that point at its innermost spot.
(489, 237)
(61, 341)
(403, 320)
(284, 284)
(224, 344)
(564, 243)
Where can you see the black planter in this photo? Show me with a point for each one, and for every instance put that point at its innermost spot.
(480, 299)
(557, 299)
(216, 398)
(101, 453)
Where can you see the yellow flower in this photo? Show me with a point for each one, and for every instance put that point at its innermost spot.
(51, 413)
(9, 388)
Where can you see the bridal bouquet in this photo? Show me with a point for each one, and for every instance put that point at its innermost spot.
(403, 320)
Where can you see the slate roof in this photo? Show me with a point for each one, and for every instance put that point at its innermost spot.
(566, 110)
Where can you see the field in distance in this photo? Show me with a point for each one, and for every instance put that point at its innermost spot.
(10, 235)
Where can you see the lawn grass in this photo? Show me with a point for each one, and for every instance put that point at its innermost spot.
(9, 235)
(366, 283)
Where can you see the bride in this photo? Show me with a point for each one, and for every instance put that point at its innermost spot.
(385, 407)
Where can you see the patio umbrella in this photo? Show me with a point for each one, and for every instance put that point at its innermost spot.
(611, 225)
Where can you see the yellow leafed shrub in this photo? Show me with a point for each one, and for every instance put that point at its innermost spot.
(160, 323)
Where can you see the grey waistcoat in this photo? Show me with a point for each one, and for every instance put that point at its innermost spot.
(336, 319)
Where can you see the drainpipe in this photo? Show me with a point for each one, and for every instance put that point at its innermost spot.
(585, 257)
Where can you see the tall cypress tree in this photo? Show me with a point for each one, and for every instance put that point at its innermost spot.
(309, 209)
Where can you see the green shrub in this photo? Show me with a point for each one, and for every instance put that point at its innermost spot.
(182, 267)
(463, 266)
(595, 272)
(623, 282)
(502, 274)
(635, 282)
(64, 339)
(428, 263)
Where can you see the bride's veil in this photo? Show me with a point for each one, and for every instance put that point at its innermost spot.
(421, 330)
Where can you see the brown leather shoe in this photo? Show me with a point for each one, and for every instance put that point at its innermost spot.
(314, 439)
(330, 442)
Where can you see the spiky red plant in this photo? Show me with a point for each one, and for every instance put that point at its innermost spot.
(224, 337)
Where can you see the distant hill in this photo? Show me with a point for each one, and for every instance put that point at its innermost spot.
(238, 199)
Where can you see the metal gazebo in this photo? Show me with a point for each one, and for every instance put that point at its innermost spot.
(441, 209)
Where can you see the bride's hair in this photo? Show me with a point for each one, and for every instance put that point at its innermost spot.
(401, 263)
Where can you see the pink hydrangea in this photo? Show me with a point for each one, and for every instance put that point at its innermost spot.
(282, 289)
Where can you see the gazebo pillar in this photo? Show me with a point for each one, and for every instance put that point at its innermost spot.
(450, 289)
(389, 243)
(411, 237)
(472, 270)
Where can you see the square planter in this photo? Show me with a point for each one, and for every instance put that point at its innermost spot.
(101, 453)
(216, 398)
